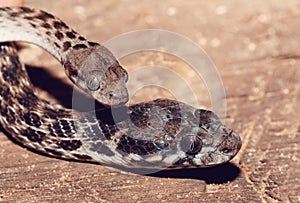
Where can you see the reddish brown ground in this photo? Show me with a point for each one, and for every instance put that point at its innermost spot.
(254, 44)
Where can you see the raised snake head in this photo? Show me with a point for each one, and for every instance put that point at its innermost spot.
(98, 73)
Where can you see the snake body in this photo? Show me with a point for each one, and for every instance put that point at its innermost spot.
(157, 134)
(89, 65)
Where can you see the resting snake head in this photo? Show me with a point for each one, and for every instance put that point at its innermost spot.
(208, 143)
(169, 134)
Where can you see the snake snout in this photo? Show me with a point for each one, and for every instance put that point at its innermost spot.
(231, 145)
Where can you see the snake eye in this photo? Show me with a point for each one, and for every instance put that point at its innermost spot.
(191, 144)
(93, 83)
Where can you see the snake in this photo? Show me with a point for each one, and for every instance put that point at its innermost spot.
(161, 133)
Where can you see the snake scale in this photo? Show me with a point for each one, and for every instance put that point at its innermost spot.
(161, 133)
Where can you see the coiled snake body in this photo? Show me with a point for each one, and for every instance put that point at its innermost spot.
(157, 134)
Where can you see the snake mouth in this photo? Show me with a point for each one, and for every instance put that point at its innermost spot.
(117, 99)
(112, 99)
(191, 162)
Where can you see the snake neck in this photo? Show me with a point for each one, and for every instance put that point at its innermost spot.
(40, 28)
(92, 67)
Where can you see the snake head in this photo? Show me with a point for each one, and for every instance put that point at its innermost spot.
(98, 73)
(163, 134)
(169, 134)
(210, 143)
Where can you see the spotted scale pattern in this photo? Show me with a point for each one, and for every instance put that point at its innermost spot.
(157, 134)
(49, 27)
(89, 65)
